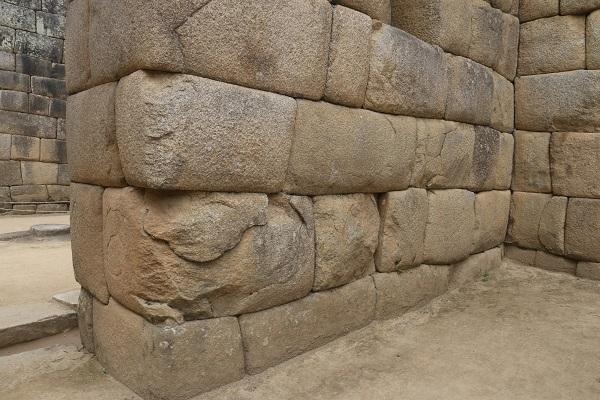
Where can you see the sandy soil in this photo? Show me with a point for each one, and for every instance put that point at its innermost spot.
(17, 223)
(523, 334)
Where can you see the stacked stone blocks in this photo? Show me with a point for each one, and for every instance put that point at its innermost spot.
(33, 171)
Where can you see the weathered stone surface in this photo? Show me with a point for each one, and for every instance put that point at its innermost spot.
(63, 174)
(12, 100)
(450, 227)
(41, 46)
(593, 40)
(486, 34)
(475, 267)
(50, 24)
(92, 146)
(86, 239)
(470, 92)
(551, 231)
(212, 254)
(17, 17)
(588, 270)
(526, 212)
(492, 160)
(346, 237)
(53, 151)
(552, 45)
(10, 173)
(39, 105)
(58, 192)
(167, 361)
(85, 319)
(407, 75)
(506, 62)
(503, 104)
(343, 150)
(348, 71)
(402, 230)
(5, 146)
(7, 60)
(398, 293)
(29, 193)
(532, 162)
(35, 66)
(15, 123)
(491, 219)
(582, 229)
(189, 133)
(278, 334)
(554, 263)
(48, 87)
(25, 148)
(76, 51)
(575, 164)
(507, 6)
(525, 256)
(565, 101)
(39, 173)
(534, 9)
(376, 9)
(578, 6)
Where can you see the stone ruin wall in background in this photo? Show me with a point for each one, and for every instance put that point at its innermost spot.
(256, 178)
(33, 171)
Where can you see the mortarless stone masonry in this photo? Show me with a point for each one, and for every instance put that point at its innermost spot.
(255, 179)
(33, 152)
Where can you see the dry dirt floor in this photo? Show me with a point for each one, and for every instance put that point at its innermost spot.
(520, 333)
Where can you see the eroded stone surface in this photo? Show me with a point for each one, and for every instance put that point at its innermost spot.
(534, 9)
(532, 162)
(575, 164)
(491, 219)
(582, 229)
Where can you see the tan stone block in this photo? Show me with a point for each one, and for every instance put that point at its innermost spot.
(5, 144)
(86, 239)
(29, 193)
(492, 160)
(189, 133)
(85, 320)
(552, 45)
(578, 6)
(59, 192)
(407, 75)
(348, 71)
(402, 231)
(551, 231)
(582, 229)
(532, 162)
(507, 6)
(548, 103)
(93, 153)
(76, 51)
(376, 9)
(25, 148)
(52, 150)
(526, 212)
(503, 104)
(346, 236)
(534, 9)
(487, 25)
(554, 263)
(506, 62)
(593, 40)
(575, 164)
(167, 361)
(10, 173)
(450, 229)
(588, 270)
(39, 173)
(278, 334)
(336, 151)
(524, 256)
(475, 267)
(491, 219)
(398, 293)
(212, 254)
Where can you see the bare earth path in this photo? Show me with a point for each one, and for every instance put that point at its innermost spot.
(522, 334)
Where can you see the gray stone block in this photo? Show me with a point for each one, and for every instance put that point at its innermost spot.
(54, 6)
(14, 81)
(39, 173)
(50, 24)
(10, 173)
(492, 210)
(7, 39)
(582, 229)
(588, 270)
(553, 263)
(475, 268)
(578, 6)
(532, 162)
(85, 320)
(593, 40)
(525, 215)
(25, 148)
(64, 177)
(39, 105)
(376, 9)
(524, 256)
(39, 45)
(575, 164)
(5, 143)
(7, 59)
(35, 66)
(534, 9)
(11, 100)
(58, 108)
(49, 87)
(54, 151)
(27, 124)
(17, 17)
(58, 192)
(29, 193)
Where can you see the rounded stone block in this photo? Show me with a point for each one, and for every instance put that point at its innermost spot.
(534, 9)
(532, 162)
(575, 164)
(188, 133)
(491, 219)
(376, 9)
(526, 211)
(578, 6)
(582, 229)
(593, 40)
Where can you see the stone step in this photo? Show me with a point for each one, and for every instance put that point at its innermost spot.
(69, 299)
(26, 322)
(38, 231)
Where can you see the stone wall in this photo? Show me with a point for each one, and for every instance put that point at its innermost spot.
(555, 210)
(33, 169)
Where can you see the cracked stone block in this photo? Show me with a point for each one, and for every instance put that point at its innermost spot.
(407, 75)
(552, 45)
(86, 239)
(475, 268)
(278, 334)
(578, 6)
(376, 9)
(548, 103)
(181, 132)
(449, 234)
(346, 235)
(398, 293)
(349, 158)
(575, 164)
(582, 229)
(532, 162)
(491, 219)
(167, 361)
(534, 9)
(348, 71)
(93, 154)
(553, 263)
(402, 231)
(212, 254)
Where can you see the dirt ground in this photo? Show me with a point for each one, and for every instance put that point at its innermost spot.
(17, 223)
(521, 334)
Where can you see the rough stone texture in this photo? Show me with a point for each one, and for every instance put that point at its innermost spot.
(77, 60)
(450, 226)
(376, 9)
(532, 162)
(189, 133)
(582, 229)
(402, 229)
(92, 145)
(491, 219)
(278, 334)
(552, 224)
(475, 268)
(407, 75)
(575, 164)
(526, 212)
(336, 151)
(485, 46)
(39, 173)
(588, 270)
(507, 6)
(24, 148)
(492, 160)
(29, 193)
(506, 62)
(86, 239)
(554, 263)
(503, 104)
(398, 293)
(534, 9)
(552, 45)
(578, 6)
(565, 101)
(85, 318)
(10, 173)
(167, 361)
(593, 40)
(525, 256)
(212, 254)
(348, 71)
(346, 236)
